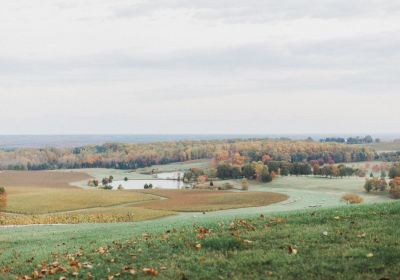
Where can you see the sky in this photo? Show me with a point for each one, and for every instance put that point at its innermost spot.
(199, 66)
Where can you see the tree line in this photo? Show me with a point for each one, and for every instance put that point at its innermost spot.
(132, 156)
(352, 140)
(268, 171)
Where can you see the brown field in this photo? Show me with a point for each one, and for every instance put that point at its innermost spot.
(117, 214)
(45, 197)
(26, 200)
(53, 179)
(204, 200)
(40, 192)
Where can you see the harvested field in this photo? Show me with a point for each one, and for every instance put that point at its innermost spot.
(26, 200)
(115, 214)
(53, 179)
(204, 200)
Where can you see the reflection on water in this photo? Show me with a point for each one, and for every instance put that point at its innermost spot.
(170, 175)
(161, 182)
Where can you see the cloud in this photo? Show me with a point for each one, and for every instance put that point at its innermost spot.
(259, 10)
(198, 66)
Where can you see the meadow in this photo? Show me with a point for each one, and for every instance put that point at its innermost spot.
(274, 230)
(351, 242)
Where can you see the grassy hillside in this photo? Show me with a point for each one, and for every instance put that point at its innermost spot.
(359, 242)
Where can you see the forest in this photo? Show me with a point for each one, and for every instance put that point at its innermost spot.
(131, 156)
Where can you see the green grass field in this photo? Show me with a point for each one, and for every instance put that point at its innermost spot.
(351, 242)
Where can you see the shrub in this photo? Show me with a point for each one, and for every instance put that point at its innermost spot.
(108, 187)
(361, 173)
(375, 184)
(266, 177)
(202, 179)
(93, 183)
(382, 184)
(394, 171)
(3, 197)
(225, 186)
(120, 187)
(126, 179)
(395, 188)
(245, 184)
(352, 198)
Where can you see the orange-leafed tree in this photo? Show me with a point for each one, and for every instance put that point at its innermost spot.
(395, 187)
(3, 198)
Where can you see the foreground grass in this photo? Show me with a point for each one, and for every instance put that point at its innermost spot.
(358, 242)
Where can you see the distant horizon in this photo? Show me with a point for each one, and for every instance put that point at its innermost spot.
(76, 140)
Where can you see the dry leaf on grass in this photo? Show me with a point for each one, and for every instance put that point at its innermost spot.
(292, 251)
(150, 271)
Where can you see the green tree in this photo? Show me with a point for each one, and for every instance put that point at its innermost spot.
(224, 171)
(266, 176)
(248, 171)
(236, 172)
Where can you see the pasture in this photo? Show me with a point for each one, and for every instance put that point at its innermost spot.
(351, 242)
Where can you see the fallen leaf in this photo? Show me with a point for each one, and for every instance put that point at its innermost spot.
(35, 275)
(101, 250)
(292, 250)
(150, 271)
(370, 255)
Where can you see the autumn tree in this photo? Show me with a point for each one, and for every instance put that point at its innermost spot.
(245, 184)
(3, 198)
(260, 169)
(395, 187)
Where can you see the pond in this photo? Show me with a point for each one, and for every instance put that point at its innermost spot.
(139, 184)
(165, 180)
(170, 175)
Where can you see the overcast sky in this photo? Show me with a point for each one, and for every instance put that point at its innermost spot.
(199, 66)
